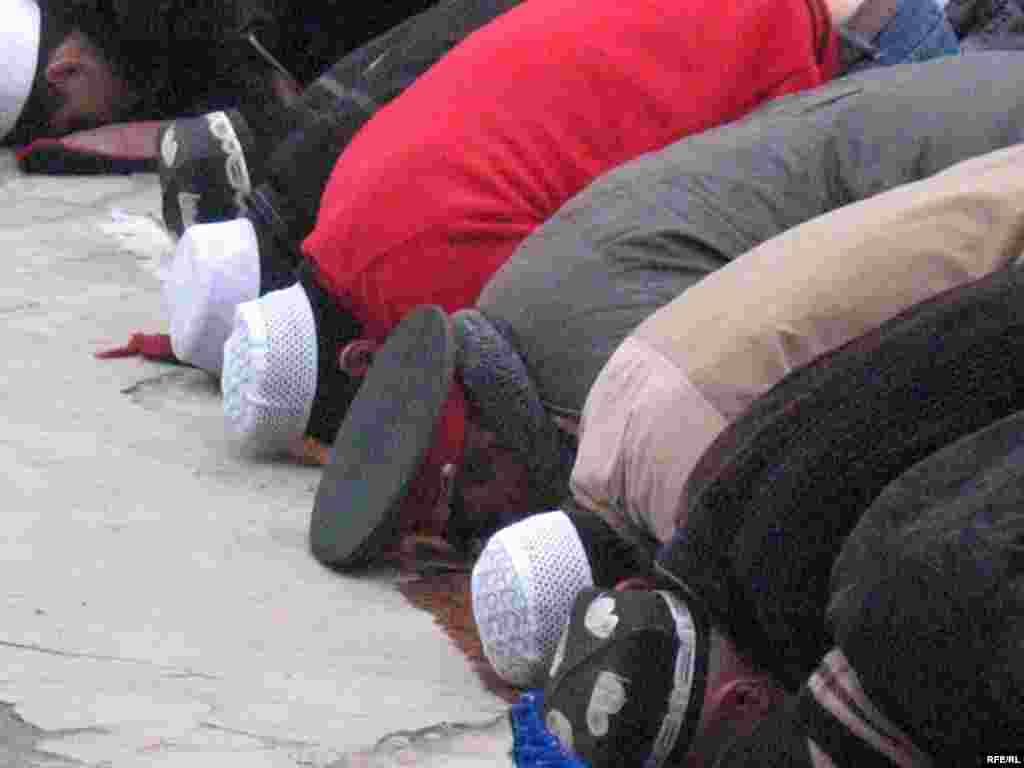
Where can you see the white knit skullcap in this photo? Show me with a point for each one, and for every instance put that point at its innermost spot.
(19, 55)
(216, 267)
(524, 585)
(270, 371)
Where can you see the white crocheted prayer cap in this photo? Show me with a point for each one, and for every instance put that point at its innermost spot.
(216, 267)
(523, 588)
(270, 371)
(19, 56)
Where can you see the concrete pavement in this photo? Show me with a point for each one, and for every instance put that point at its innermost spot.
(159, 605)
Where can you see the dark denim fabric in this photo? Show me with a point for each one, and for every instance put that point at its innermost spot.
(918, 31)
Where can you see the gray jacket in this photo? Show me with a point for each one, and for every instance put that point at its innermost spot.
(643, 233)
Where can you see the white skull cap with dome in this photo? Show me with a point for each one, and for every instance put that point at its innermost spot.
(270, 371)
(216, 267)
(523, 587)
(19, 56)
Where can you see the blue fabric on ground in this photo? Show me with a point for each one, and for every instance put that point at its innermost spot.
(535, 746)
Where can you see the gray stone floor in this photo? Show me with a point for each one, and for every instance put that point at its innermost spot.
(159, 606)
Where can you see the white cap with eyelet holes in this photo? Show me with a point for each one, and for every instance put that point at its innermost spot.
(523, 587)
(270, 371)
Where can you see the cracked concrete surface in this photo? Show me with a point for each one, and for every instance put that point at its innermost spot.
(159, 604)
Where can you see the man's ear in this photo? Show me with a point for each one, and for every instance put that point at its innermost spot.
(634, 584)
(748, 698)
(732, 710)
(64, 61)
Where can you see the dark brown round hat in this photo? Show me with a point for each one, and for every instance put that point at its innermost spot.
(383, 441)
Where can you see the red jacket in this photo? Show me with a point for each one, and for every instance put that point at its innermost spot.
(436, 191)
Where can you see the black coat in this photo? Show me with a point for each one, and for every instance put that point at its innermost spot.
(186, 57)
(337, 104)
(774, 498)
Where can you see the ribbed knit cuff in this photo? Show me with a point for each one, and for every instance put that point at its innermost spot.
(506, 402)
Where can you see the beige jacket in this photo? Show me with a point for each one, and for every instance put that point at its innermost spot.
(696, 364)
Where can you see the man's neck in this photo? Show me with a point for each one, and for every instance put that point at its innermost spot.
(842, 10)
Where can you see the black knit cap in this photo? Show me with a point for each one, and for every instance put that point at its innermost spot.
(335, 327)
(785, 484)
(928, 606)
(928, 597)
